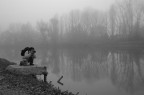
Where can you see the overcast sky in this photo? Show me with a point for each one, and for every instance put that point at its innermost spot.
(23, 11)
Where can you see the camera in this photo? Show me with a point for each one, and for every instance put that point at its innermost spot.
(34, 51)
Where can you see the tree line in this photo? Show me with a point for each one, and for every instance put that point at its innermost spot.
(123, 22)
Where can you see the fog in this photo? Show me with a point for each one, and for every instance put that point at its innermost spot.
(72, 23)
(23, 11)
(97, 45)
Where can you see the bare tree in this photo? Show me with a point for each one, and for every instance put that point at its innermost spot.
(54, 33)
(44, 29)
(112, 17)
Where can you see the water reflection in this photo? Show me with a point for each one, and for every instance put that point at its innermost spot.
(119, 72)
(125, 71)
(123, 68)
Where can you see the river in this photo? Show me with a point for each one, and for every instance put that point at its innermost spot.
(90, 71)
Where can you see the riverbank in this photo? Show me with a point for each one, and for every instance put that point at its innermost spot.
(12, 84)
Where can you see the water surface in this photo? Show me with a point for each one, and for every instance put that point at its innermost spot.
(91, 71)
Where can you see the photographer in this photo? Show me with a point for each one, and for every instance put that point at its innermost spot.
(32, 55)
(28, 54)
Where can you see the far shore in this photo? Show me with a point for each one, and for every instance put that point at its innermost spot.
(95, 44)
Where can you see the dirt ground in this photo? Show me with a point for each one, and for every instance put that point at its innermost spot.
(13, 84)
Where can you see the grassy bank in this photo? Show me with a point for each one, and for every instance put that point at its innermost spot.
(26, 85)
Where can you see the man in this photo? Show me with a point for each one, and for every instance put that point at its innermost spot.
(32, 55)
(28, 54)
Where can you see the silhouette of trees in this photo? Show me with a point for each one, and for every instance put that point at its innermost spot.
(54, 33)
(44, 29)
(125, 19)
(123, 22)
(112, 17)
(84, 27)
(49, 30)
(20, 34)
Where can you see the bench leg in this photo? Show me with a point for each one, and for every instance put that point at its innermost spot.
(45, 76)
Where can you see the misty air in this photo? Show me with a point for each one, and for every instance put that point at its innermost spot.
(71, 47)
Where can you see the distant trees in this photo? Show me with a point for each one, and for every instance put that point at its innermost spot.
(112, 20)
(124, 21)
(54, 33)
(49, 30)
(43, 28)
(85, 27)
(20, 34)
(126, 18)
(75, 33)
